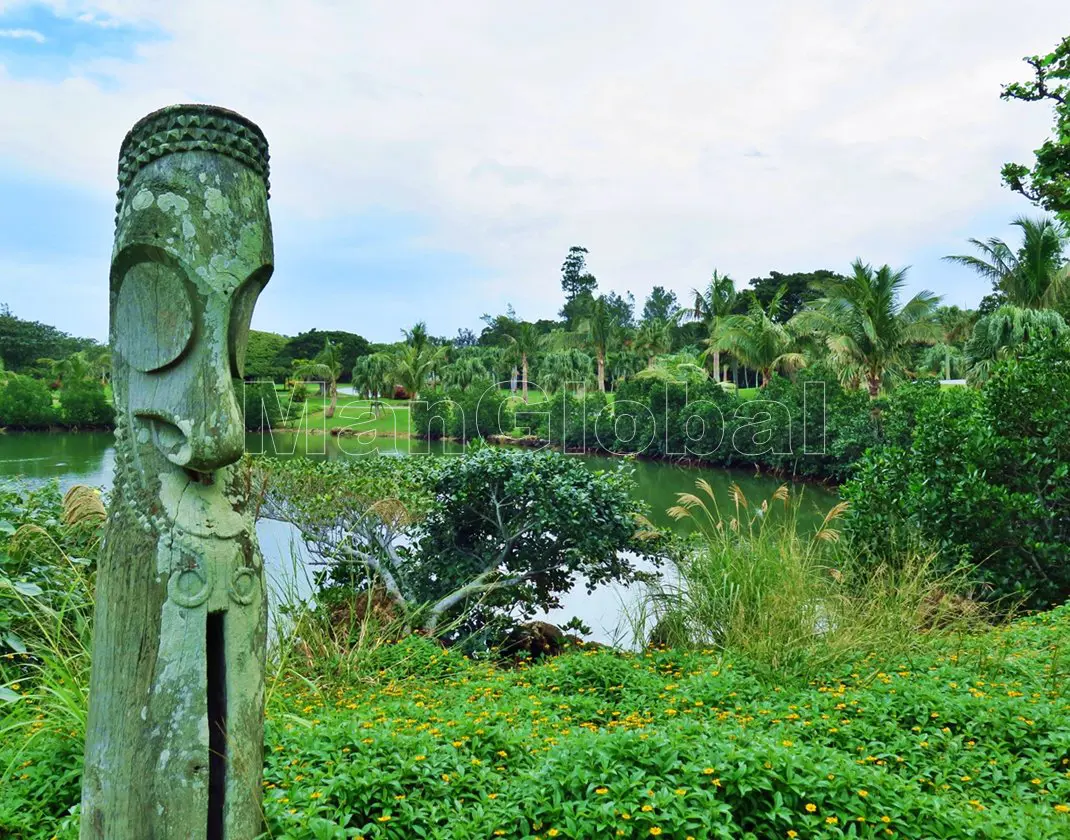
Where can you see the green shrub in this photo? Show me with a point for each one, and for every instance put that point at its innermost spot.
(261, 405)
(26, 403)
(431, 416)
(84, 404)
(481, 412)
(982, 476)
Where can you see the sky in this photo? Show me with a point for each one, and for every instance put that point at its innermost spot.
(435, 160)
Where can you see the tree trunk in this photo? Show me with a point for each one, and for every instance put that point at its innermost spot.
(874, 387)
(524, 373)
(717, 363)
(334, 401)
(601, 372)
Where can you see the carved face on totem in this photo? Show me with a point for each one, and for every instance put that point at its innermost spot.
(193, 250)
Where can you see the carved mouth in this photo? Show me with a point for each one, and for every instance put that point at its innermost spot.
(198, 477)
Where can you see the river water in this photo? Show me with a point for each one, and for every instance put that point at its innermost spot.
(89, 458)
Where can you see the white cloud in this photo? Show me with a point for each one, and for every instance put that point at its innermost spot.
(516, 130)
(23, 35)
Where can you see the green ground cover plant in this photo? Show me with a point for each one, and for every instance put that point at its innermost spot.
(967, 738)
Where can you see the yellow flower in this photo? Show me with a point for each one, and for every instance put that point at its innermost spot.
(1062, 809)
(863, 793)
(420, 758)
(886, 819)
(601, 791)
(680, 791)
(708, 771)
(831, 820)
(655, 830)
(553, 832)
(792, 833)
(316, 795)
(811, 807)
(647, 808)
(788, 743)
(384, 818)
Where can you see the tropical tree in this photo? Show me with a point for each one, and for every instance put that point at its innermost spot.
(677, 367)
(1048, 182)
(653, 339)
(713, 306)
(957, 325)
(561, 368)
(1032, 277)
(417, 337)
(522, 341)
(599, 331)
(944, 359)
(372, 374)
(625, 362)
(867, 331)
(100, 363)
(661, 305)
(1003, 333)
(466, 372)
(325, 368)
(758, 340)
(417, 360)
(75, 367)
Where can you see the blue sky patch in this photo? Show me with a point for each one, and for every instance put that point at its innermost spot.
(36, 41)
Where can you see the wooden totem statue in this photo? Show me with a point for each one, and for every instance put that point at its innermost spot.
(174, 747)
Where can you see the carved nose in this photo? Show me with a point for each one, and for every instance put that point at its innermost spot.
(207, 442)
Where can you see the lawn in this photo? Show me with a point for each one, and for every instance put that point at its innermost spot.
(390, 419)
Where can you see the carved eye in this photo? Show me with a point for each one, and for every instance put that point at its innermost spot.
(156, 314)
(241, 314)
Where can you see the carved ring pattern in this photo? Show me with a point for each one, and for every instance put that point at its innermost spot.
(190, 582)
(243, 585)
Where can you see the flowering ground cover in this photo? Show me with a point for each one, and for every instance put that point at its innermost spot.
(972, 740)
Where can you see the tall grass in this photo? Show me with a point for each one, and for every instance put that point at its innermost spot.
(796, 603)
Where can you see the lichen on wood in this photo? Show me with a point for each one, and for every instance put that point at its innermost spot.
(174, 745)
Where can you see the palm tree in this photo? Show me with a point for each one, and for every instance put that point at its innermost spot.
(599, 331)
(758, 341)
(371, 374)
(997, 335)
(523, 341)
(957, 325)
(74, 368)
(654, 339)
(564, 367)
(1034, 276)
(417, 337)
(713, 307)
(417, 360)
(465, 372)
(326, 367)
(867, 332)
